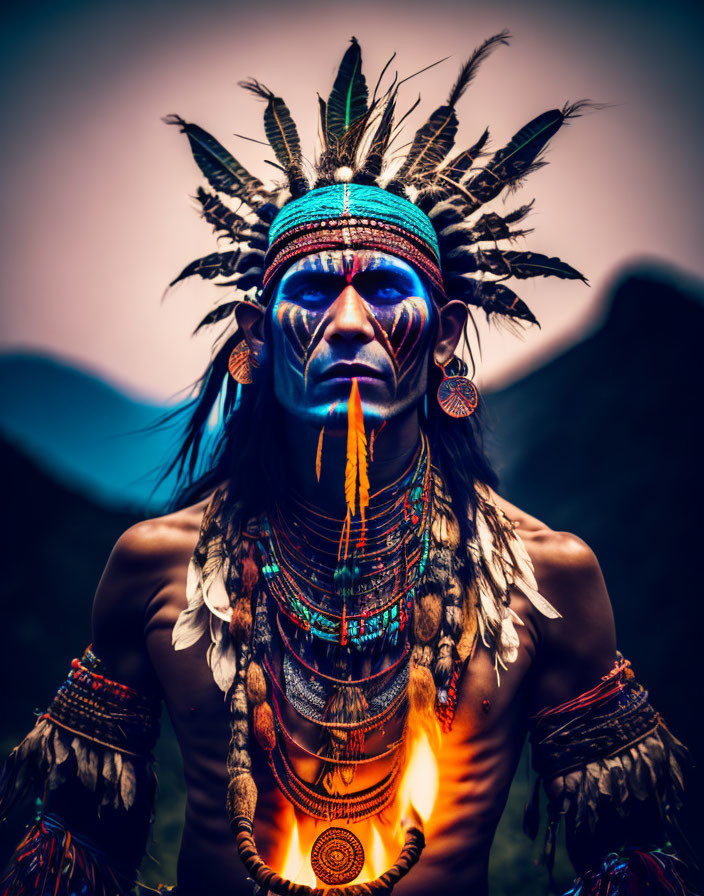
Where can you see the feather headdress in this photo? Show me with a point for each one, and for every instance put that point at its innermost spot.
(357, 131)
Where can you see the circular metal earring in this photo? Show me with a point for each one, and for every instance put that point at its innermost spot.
(457, 394)
(241, 364)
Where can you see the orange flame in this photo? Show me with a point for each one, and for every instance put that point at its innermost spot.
(297, 867)
(384, 835)
(419, 788)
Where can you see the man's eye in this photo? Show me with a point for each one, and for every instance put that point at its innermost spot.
(389, 293)
(382, 286)
(308, 295)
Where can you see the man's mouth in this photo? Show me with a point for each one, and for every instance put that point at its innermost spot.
(348, 369)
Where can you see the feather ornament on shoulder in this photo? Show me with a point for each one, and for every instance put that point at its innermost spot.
(502, 562)
(209, 606)
(193, 621)
(221, 656)
(208, 610)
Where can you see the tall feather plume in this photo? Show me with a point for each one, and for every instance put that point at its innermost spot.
(431, 144)
(348, 98)
(435, 139)
(344, 118)
(514, 160)
(471, 66)
(221, 169)
(283, 136)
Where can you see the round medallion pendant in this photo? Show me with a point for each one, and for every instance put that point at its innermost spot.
(337, 856)
(458, 396)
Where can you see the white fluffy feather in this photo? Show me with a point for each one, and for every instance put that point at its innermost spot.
(506, 565)
(222, 657)
(536, 598)
(193, 621)
(216, 597)
(509, 642)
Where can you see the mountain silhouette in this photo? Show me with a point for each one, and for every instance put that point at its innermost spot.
(84, 431)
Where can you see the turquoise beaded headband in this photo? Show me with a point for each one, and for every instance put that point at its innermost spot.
(355, 201)
(352, 216)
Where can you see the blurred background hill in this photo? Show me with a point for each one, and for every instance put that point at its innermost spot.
(603, 441)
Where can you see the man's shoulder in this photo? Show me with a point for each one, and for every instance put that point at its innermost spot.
(144, 559)
(153, 541)
(579, 646)
(566, 568)
(146, 569)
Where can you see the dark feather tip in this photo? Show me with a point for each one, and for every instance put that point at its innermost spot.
(254, 86)
(471, 66)
(174, 119)
(575, 110)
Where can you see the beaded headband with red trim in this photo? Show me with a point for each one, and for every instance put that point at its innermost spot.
(350, 233)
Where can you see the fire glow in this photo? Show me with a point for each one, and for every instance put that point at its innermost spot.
(382, 836)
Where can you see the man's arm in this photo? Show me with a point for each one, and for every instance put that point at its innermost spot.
(89, 755)
(611, 769)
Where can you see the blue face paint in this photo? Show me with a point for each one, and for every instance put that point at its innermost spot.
(344, 314)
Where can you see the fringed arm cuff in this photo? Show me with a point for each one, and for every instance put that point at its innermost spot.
(98, 729)
(89, 758)
(611, 770)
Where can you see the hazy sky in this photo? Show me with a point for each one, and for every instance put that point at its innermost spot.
(96, 214)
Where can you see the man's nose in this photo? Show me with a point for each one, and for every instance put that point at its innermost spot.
(349, 318)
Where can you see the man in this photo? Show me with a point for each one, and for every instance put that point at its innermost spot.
(351, 630)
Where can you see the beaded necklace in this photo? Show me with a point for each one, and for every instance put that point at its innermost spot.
(367, 596)
(335, 613)
(272, 661)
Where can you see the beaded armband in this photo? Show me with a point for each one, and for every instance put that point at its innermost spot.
(103, 711)
(607, 746)
(98, 728)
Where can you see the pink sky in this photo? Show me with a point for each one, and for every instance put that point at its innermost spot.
(96, 210)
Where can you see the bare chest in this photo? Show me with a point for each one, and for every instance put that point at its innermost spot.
(461, 783)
